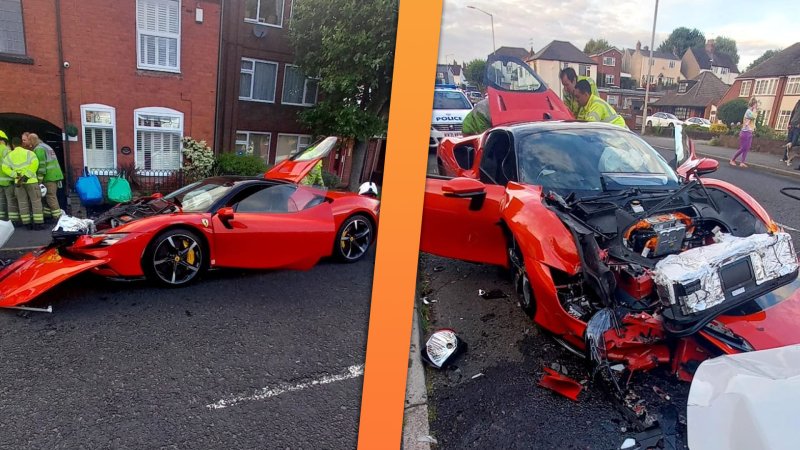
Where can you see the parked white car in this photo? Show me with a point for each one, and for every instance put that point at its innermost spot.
(662, 119)
(699, 121)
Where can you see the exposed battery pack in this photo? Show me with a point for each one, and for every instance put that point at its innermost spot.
(705, 277)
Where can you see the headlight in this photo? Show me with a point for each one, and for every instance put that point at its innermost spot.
(110, 239)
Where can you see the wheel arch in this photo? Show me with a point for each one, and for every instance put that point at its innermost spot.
(178, 226)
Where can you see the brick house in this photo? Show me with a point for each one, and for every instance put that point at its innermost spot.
(110, 84)
(628, 102)
(666, 68)
(557, 55)
(705, 59)
(261, 91)
(609, 67)
(775, 83)
(698, 97)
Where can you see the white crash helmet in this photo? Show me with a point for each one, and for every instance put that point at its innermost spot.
(43, 189)
(368, 188)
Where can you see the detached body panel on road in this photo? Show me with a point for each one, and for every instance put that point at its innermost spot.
(624, 256)
(218, 222)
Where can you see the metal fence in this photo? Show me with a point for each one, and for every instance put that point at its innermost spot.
(143, 182)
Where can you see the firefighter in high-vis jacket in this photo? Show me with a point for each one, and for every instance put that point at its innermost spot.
(594, 108)
(569, 79)
(9, 210)
(49, 174)
(21, 165)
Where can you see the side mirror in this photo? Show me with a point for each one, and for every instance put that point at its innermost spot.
(225, 216)
(706, 166)
(466, 188)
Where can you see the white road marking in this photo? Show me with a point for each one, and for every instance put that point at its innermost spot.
(267, 392)
(788, 227)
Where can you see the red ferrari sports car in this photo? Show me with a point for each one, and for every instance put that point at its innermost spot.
(236, 222)
(622, 256)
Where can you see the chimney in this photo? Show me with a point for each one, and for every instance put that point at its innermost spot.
(645, 48)
(710, 47)
(638, 46)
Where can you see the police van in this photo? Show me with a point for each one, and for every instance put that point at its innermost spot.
(450, 107)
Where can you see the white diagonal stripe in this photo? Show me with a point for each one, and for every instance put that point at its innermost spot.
(267, 392)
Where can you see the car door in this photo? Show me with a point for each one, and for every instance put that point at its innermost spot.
(268, 231)
(461, 220)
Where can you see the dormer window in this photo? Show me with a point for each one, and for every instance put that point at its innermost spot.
(682, 87)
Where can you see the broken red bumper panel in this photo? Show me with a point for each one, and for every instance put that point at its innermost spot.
(35, 273)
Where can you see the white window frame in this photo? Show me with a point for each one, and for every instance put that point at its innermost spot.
(154, 111)
(585, 70)
(792, 86)
(305, 88)
(745, 88)
(139, 64)
(247, 142)
(671, 64)
(258, 8)
(609, 78)
(615, 101)
(253, 79)
(782, 124)
(100, 108)
(770, 86)
(310, 141)
(612, 61)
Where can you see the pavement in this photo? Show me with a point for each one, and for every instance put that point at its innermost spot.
(239, 359)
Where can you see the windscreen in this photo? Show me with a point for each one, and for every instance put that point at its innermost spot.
(450, 100)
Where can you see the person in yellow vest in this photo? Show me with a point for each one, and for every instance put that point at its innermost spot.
(314, 177)
(9, 210)
(21, 165)
(49, 174)
(569, 79)
(594, 108)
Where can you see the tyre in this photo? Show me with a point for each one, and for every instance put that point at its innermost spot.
(671, 125)
(175, 258)
(521, 281)
(649, 123)
(353, 239)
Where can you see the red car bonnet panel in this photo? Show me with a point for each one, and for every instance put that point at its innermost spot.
(539, 232)
(32, 275)
(773, 327)
(293, 171)
(743, 196)
(507, 107)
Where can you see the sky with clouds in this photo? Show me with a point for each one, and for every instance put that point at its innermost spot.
(756, 26)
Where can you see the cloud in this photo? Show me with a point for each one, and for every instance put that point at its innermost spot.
(467, 33)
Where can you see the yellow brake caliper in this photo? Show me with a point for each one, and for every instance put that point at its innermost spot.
(189, 254)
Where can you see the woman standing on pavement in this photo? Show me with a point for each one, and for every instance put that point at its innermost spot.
(746, 135)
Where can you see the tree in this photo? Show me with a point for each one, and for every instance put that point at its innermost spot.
(594, 47)
(765, 56)
(349, 45)
(733, 111)
(727, 46)
(474, 71)
(682, 39)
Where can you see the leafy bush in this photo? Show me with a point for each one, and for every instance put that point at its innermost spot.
(718, 128)
(331, 180)
(714, 141)
(229, 163)
(733, 111)
(697, 128)
(199, 159)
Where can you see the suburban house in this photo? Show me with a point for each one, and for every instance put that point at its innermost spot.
(705, 59)
(260, 89)
(609, 67)
(110, 84)
(516, 52)
(628, 102)
(775, 83)
(666, 68)
(448, 74)
(698, 97)
(557, 55)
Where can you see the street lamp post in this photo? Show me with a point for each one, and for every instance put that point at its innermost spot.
(649, 69)
(494, 47)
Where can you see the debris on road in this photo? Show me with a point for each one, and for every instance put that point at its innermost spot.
(561, 384)
(428, 439)
(660, 392)
(425, 301)
(493, 294)
(629, 443)
(438, 268)
(442, 348)
(477, 375)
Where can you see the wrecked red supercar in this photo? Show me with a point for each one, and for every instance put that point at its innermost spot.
(270, 222)
(621, 255)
